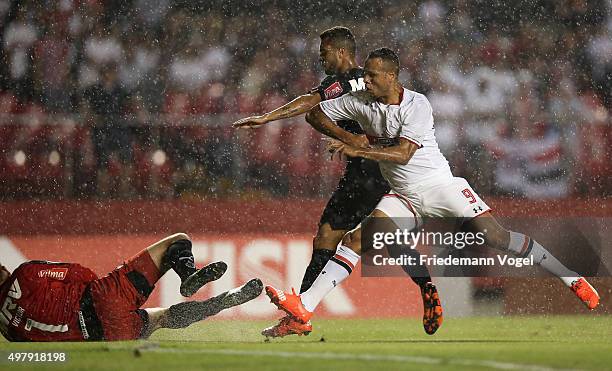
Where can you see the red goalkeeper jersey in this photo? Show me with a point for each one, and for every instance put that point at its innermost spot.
(41, 301)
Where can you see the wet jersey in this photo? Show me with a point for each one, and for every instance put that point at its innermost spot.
(41, 301)
(334, 86)
(385, 124)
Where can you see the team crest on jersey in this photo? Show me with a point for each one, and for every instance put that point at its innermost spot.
(54, 273)
(333, 91)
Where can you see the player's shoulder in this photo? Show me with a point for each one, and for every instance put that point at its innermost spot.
(329, 79)
(354, 73)
(415, 100)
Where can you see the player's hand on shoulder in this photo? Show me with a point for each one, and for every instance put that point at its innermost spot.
(250, 122)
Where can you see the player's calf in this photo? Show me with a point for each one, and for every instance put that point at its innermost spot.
(525, 247)
(184, 314)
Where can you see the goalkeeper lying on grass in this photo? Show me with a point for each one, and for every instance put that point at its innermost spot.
(47, 301)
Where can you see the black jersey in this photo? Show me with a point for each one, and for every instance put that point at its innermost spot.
(337, 85)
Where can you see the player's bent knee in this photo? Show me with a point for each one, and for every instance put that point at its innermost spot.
(325, 242)
(352, 240)
(180, 236)
(327, 238)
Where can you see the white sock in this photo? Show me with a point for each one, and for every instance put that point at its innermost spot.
(523, 246)
(337, 269)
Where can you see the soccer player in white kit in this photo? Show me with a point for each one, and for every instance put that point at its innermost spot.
(400, 128)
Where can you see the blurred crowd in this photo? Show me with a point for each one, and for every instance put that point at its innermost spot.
(134, 98)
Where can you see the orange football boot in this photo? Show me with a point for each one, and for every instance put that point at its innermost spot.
(432, 309)
(287, 326)
(290, 303)
(585, 292)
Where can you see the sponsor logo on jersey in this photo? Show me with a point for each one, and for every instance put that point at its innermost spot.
(18, 316)
(53, 273)
(333, 91)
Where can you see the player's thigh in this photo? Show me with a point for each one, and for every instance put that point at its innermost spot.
(395, 211)
(352, 239)
(358, 192)
(142, 271)
(128, 286)
(390, 215)
(495, 235)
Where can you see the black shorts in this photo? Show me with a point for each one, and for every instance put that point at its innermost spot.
(358, 192)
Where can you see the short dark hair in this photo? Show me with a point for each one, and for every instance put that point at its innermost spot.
(340, 37)
(388, 56)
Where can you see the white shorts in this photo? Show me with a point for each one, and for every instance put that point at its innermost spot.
(447, 198)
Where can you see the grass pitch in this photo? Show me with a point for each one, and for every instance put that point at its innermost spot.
(502, 343)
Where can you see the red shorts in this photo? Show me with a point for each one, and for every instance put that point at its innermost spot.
(118, 296)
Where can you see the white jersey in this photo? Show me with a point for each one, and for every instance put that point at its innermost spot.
(384, 124)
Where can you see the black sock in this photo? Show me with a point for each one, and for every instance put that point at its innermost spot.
(320, 257)
(184, 314)
(180, 258)
(419, 272)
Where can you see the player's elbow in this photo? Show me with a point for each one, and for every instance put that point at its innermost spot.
(309, 101)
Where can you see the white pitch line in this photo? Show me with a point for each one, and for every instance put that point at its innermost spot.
(362, 357)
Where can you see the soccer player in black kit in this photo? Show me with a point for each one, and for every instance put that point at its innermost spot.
(359, 189)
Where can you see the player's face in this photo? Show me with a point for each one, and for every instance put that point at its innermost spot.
(378, 80)
(4, 274)
(330, 58)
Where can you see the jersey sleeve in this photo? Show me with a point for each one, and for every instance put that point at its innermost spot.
(329, 88)
(343, 108)
(416, 122)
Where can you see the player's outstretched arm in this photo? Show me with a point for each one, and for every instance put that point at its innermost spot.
(323, 124)
(184, 314)
(399, 154)
(298, 106)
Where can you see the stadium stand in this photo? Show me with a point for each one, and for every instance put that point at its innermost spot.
(100, 100)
